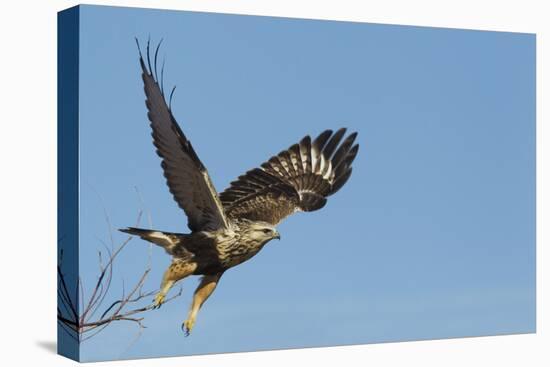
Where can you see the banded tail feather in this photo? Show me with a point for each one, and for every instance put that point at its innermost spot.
(166, 240)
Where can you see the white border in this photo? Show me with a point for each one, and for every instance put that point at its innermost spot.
(28, 184)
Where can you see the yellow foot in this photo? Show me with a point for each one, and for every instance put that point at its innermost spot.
(159, 300)
(188, 326)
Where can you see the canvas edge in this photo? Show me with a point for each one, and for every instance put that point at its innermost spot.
(68, 22)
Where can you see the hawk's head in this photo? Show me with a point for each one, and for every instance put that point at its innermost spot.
(260, 232)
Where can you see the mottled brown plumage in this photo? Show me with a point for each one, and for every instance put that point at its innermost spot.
(232, 227)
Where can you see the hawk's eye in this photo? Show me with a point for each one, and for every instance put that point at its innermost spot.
(267, 230)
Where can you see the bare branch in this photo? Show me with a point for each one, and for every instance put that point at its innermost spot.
(84, 326)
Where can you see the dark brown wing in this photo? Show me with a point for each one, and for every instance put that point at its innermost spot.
(297, 179)
(186, 176)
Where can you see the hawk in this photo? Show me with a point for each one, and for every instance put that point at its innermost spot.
(230, 228)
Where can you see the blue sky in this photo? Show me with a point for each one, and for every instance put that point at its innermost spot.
(432, 237)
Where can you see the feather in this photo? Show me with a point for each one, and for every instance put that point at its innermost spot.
(333, 143)
(342, 152)
(341, 181)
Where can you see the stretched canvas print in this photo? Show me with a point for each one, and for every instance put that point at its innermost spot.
(239, 183)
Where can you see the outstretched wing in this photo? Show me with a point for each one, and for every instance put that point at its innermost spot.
(297, 179)
(187, 178)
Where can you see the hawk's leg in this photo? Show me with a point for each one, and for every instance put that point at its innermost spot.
(179, 269)
(204, 290)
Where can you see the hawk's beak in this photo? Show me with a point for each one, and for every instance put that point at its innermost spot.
(278, 236)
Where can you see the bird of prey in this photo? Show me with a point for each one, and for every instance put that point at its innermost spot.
(230, 228)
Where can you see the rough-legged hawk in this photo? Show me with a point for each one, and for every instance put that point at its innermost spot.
(229, 228)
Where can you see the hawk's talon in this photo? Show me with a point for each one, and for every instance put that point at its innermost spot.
(187, 326)
(158, 301)
(186, 332)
